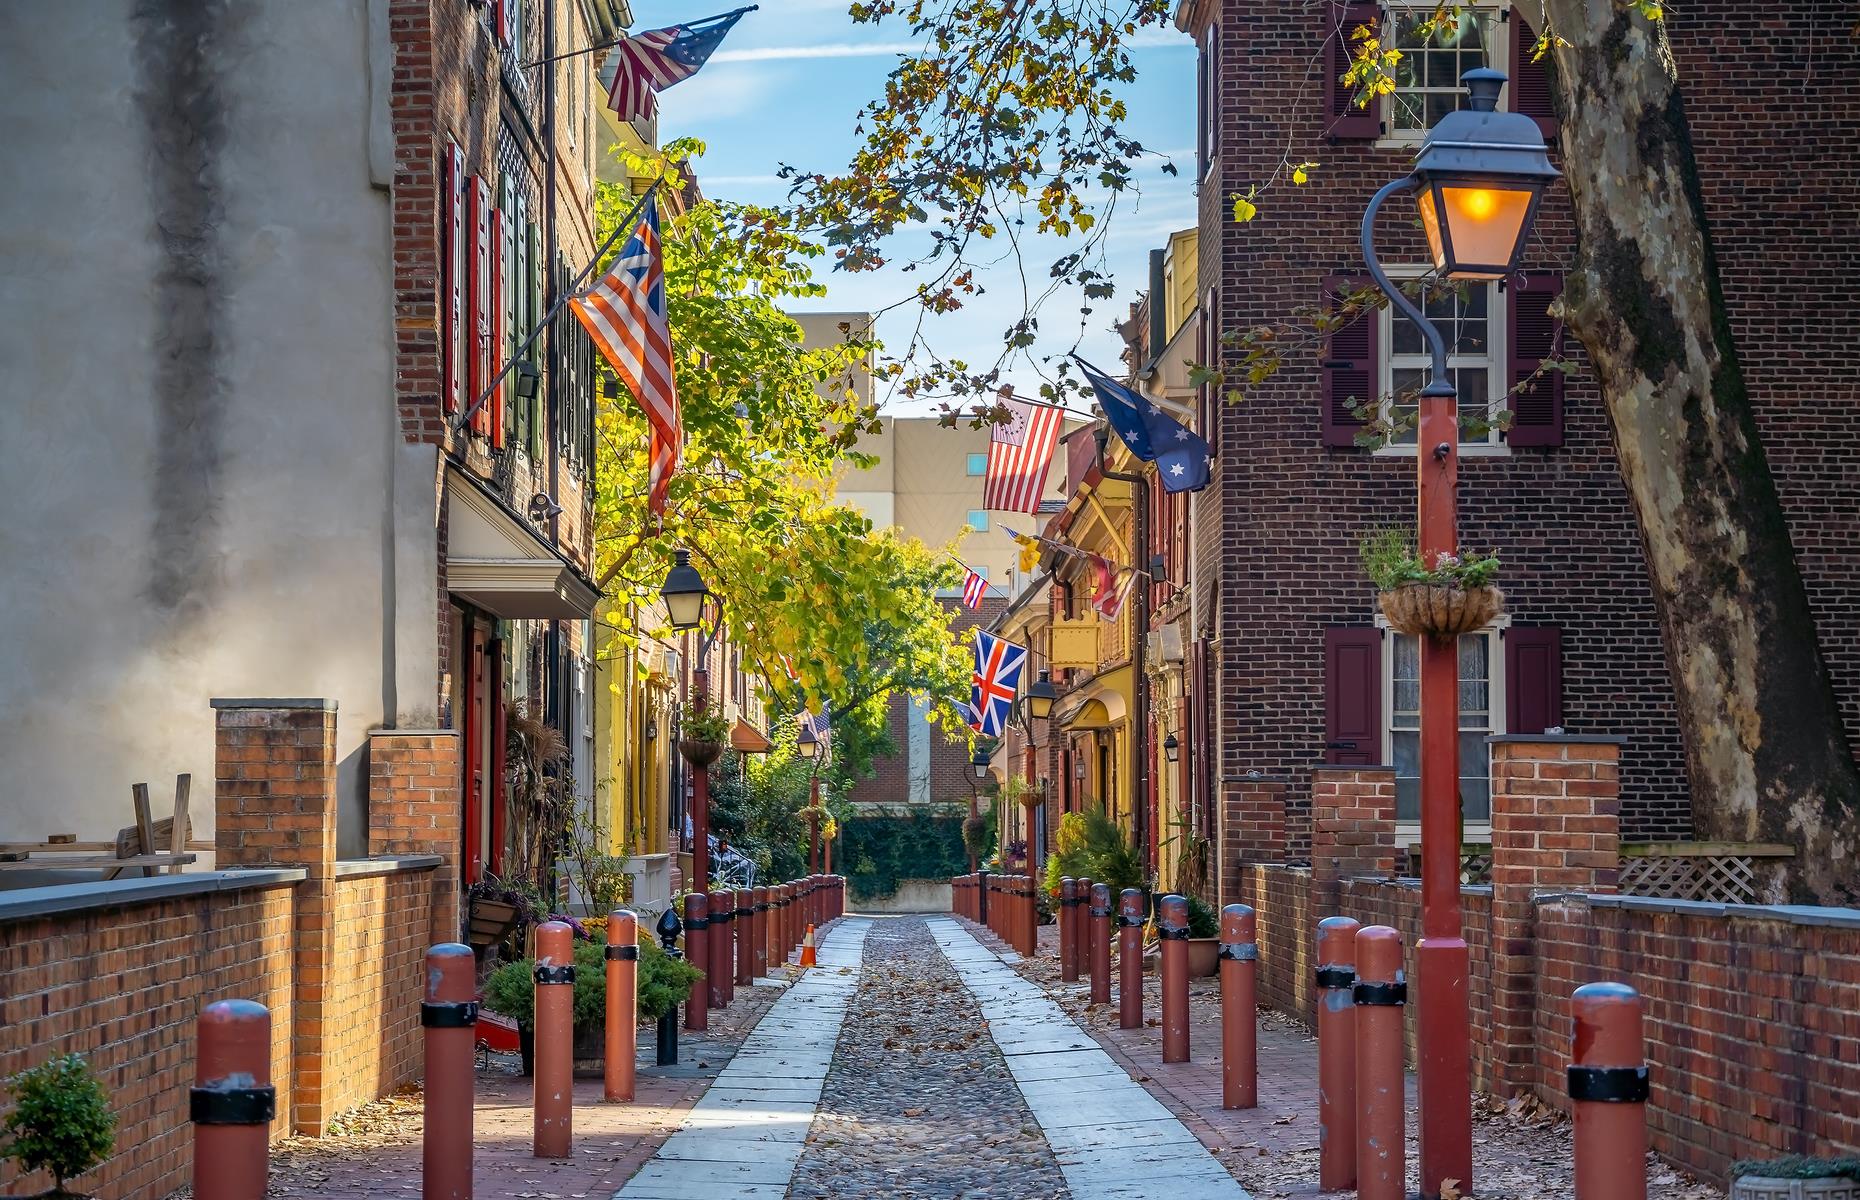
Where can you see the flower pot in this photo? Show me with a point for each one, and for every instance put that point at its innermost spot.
(700, 754)
(590, 1049)
(1203, 957)
(1425, 608)
(490, 922)
(1763, 1187)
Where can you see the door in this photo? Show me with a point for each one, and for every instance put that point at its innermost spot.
(472, 709)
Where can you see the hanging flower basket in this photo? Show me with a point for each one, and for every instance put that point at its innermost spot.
(1440, 610)
(489, 922)
(700, 753)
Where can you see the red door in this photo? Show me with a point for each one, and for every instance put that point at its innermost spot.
(471, 718)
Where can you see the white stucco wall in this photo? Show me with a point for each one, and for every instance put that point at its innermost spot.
(203, 491)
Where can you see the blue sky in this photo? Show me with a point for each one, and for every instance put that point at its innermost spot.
(786, 87)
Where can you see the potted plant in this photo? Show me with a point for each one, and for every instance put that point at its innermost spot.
(1796, 1177)
(1453, 595)
(61, 1121)
(703, 735)
(662, 982)
(496, 908)
(1204, 938)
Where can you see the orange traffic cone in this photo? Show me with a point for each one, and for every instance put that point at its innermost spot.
(807, 948)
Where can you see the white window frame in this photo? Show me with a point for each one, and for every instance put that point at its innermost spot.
(1497, 383)
(1408, 833)
(1498, 57)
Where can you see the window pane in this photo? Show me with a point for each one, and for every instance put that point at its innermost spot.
(978, 464)
(1475, 777)
(978, 520)
(1475, 682)
(1407, 747)
(1407, 681)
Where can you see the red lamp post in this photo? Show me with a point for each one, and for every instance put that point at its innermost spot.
(1477, 179)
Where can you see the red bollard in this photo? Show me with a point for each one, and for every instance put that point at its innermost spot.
(1336, 1034)
(1608, 1090)
(233, 1102)
(622, 1040)
(1239, 1007)
(1130, 959)
(697, 952)
(554, 1095)
(1172, 925)
(1099, 941)
(1030, 928)
(722, 948)
(743, 925)
(1068, 929)
(1381, 992)
(759, 933)
(450, 1016)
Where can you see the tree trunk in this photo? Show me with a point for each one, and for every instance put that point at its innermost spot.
(1767, 756)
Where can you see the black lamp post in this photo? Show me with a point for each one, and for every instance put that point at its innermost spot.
(980, 762)
(1040, 696)
(1476, 180)
(1172, 749)
(684, 593)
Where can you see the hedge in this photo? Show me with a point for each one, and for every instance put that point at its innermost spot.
(876, 852)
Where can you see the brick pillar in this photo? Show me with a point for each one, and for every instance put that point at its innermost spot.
(1352, 829)
(1252, 830)
(275, 805)
(1556, 806)
(414, 807)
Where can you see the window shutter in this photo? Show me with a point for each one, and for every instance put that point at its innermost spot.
(1200, 748)
(507, 312)
(1532, 336)
(507, 22)
(1533, 678)
(1346, 119)
(1211, 98)
(533, 270)
(1349, 367)
(1353, 696)
(1530, 81)
(479, 341)
(453, 289)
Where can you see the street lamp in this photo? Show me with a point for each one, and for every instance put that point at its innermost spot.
(684, 592)
(1172, 749)
(1477, 180)
(808, 744)
(980, 763)
(1040, 696)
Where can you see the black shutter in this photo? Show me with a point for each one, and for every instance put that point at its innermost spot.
(1530, 81)
(1349, 367)
(1346, 119)
(1533, 678)
(1353, 696)
(1533, 335)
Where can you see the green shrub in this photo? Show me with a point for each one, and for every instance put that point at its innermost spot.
(61, 1122)
(664, 982)
(1798, 1166)
(878, 851)
(511, 989)
(1389, 560)
(1203, 921)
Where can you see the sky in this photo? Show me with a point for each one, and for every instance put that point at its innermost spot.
(786, 87)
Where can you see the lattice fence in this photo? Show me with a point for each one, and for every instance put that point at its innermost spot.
(1715, 872)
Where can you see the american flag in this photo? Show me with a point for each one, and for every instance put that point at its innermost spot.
(646, 64)
(998, 664)
(1019, 453)
(625, 315)
(973, 589)
(967, 712)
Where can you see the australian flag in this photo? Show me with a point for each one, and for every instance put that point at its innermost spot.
(1181, 455)
(998, 664)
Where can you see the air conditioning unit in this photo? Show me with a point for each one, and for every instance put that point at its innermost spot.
(1164, 645)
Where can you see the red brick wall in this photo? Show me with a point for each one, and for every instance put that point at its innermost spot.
(414, 807)
(122, 984)
(380, 939)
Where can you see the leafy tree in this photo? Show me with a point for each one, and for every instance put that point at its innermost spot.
(61, 1121)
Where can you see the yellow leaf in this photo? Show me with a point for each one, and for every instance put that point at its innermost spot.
(1244, 209)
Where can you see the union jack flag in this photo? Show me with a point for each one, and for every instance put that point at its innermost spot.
(1019, 454)
(646, 64)
(998, 664)
(973, 589)
(625, 315)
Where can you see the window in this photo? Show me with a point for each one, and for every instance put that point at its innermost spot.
(1471, 319)
(981, 570)
(1427, 78)
(1481, 687)
(1209, 86)
(978, 520)
(978, 464)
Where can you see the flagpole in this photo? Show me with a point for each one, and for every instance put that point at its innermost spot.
(699, 24)
(625, 224)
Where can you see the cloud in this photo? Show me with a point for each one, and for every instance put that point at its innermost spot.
(1148, 39)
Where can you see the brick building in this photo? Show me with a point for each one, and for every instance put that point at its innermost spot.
(1299, 673)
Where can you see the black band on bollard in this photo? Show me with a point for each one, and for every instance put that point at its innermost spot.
(722, 918)
(622, 953)
(698, 923)
(449, 1014)
(1239, 951)
(1172, 935)
(232, 1106)
(1608, 1085)
(1380, 995)
(763, 907)
(1129, 922)
(1100, 912)
(1336, 977)
(1074, 902)
(555, 974)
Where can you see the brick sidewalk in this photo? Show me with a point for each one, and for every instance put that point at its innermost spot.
(378, 1154)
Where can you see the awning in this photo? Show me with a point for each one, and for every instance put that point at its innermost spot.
(1099, 704)
(747, 738)
(497, 562)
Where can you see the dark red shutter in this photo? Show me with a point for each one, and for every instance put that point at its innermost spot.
(1533, 678)
(1349, 366)
(1530, 81)
(1208, 395)
(452, 290)
(1211, 98)
(1537, 405)
(478, 340)
(1353, 696)
(1346, 119)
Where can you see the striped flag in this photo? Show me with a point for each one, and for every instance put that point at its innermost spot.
(973, 589)
(646, 64)
(1019, 453)
(625, 315)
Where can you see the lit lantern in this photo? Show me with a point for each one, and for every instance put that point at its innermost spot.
(684, 592)
(1481, 173)
(1040, 697)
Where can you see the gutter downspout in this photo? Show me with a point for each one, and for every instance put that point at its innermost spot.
(1140, 680)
